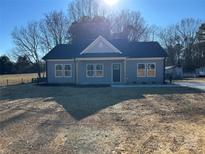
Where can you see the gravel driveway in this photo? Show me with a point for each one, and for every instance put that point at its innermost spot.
(197, 85)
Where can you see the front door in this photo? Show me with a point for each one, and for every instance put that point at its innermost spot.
(116, 72)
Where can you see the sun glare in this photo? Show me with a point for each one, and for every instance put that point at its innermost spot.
(111, 2)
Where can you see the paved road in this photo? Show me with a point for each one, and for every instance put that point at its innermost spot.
(197, 85)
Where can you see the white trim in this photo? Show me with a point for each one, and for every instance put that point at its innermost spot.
(63, 71)
(59, 70)
(100, 38)
(154, 58)
(112, 73)
(107, 58)
(95, 64)
(102, 58)
(145, 69)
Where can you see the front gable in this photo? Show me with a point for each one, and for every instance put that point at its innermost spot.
(101, 45)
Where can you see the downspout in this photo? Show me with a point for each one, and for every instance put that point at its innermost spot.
(164, 70)
(125, 71)
(46, 71)
(75, 71)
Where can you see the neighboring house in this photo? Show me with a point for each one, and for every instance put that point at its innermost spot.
(106, 62)
(175, 72)
(200, 71)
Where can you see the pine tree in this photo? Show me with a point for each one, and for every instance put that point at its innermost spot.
(201, 33)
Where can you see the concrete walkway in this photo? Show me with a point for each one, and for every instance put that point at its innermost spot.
(197, 85)
(145, 86)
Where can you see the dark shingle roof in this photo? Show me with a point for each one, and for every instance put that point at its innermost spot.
(128, 49)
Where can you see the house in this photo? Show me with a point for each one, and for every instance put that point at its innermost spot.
(200, 72)
(104, 61)
(175, 71)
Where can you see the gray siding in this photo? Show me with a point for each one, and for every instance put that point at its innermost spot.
(51, 72)
(107, 79)
(129, 77)
(132, 72)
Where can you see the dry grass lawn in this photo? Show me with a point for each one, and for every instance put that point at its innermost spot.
(48, 119)
(14, 79)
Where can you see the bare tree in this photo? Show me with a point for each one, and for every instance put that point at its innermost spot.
(126, 24)
(27, 42)
(131, 25)
(80, 8)
(179, 40)
(186, 30)
(54, 30)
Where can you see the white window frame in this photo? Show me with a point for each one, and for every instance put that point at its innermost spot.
(144, 70)
(90, 70)
(56, 71)
(95, 70)
(155, 69)
(71, 71)
(63, 71)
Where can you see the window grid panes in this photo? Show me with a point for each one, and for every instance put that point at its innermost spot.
(151, 70)
(63, 70)
(146, 70)
(59, 70)
(141, 70)
(95, 70)
(68, 70)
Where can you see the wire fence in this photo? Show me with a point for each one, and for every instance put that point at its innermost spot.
(17, 79)
(9, 82)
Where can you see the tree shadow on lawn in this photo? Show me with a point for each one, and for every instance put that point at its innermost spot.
(85, 101)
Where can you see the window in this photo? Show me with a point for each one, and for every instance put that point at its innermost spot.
(141, 70)
(59, 70)
(94, 70)
(151, 70)
(63, 70)
(67, 70)
(146, 70)
(90, 70)
(99, 70)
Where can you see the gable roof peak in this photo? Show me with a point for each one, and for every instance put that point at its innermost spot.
(101, 45)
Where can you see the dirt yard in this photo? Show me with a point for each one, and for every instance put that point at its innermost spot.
(49, 119)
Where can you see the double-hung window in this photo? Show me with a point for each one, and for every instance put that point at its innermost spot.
(90, 70)
(59, 70)
(146, 70)
(141, 70)
(67, 70)
(94, 70)
(99, 70)
(151, 70)
(63, 70)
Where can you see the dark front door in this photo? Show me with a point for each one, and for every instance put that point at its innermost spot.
(116, 72)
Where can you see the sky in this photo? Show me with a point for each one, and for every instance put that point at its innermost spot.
(17, 13)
